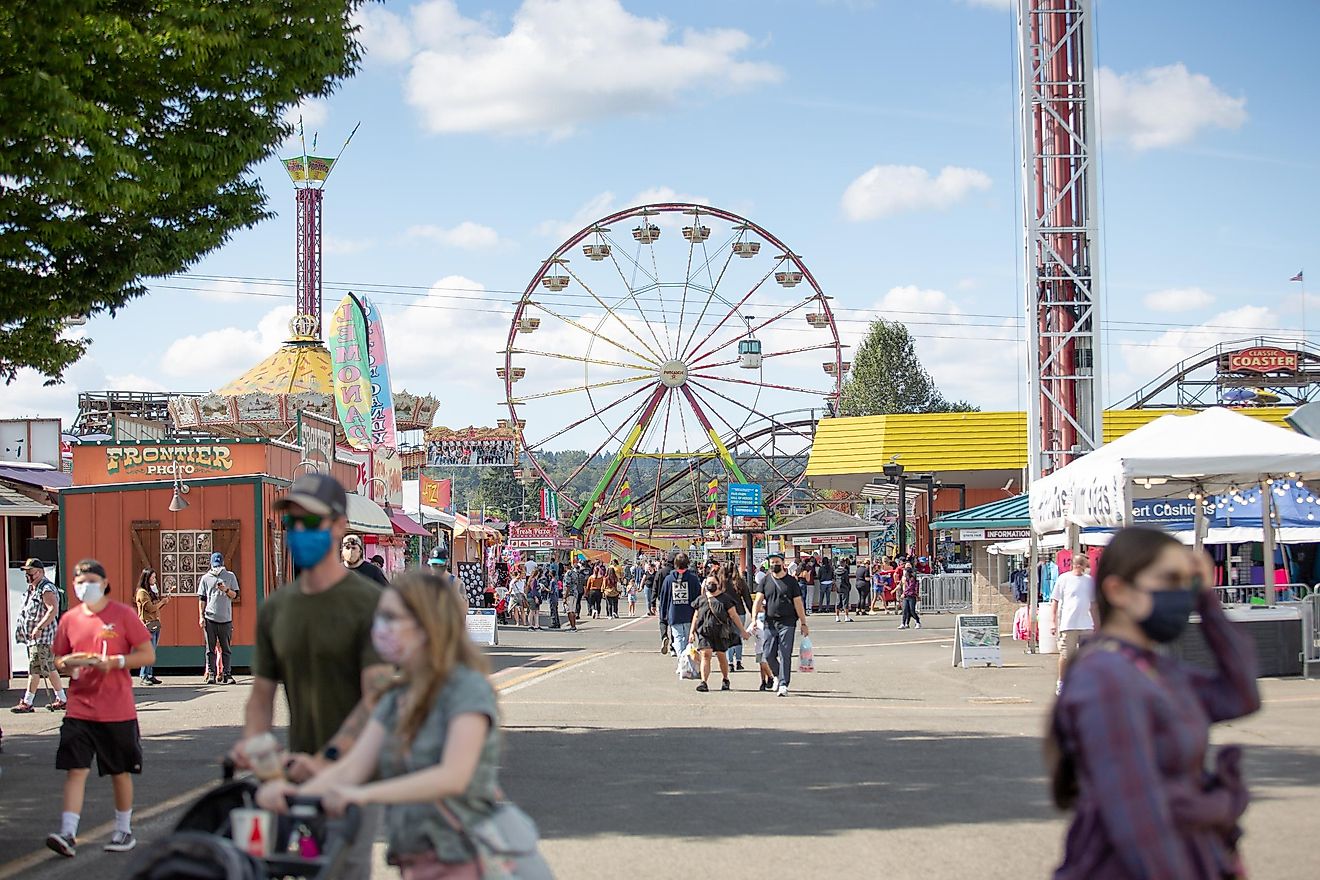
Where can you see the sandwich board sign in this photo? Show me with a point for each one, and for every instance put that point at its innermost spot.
(481, 626)
(976, 641)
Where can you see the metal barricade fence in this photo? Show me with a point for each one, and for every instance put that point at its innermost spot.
(940, 593)
(1254, 594)
(1310, 607)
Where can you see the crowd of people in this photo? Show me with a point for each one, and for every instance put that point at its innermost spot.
(391, 708)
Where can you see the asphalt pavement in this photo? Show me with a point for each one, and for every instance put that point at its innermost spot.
(886, 761)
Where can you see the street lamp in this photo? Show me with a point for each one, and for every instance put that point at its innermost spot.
(178, 503)
(893, 472)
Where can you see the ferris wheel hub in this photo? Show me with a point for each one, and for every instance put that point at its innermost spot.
(673, 374)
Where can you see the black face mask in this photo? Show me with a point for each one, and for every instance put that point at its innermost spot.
(1169, 612)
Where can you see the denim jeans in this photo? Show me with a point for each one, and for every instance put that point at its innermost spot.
(147, 672)
(735, 653)
(826, 590)
(678, 637)
(779, 651)
(910, 610)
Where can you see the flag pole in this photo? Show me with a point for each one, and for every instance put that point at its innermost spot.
(335, 160)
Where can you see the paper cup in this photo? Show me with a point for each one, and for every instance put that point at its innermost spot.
(252, 830)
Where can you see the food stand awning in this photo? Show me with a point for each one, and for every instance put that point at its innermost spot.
(406, 525)
(367, 517)
(1010, 513)
(14, 503)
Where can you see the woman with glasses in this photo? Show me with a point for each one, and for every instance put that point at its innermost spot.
(1129, 738)
(432, 745)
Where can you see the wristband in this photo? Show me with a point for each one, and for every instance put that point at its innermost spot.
(123, 661)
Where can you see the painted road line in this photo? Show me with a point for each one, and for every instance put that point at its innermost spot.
(538, 675)
(18, 866)
(629, 623)
(945, 639)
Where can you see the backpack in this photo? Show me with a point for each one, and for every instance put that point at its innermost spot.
(713, 622)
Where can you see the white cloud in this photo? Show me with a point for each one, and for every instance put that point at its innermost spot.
(220, 291)
(886, 190)
(216, 357)
(1163, 106)
(28, 396)
(605, 203)
(314, 113)
(383, 34)
(1145, 358)
(1177, 299)
(948, 340)
(467, 235)
(335, 245)
(560, 64)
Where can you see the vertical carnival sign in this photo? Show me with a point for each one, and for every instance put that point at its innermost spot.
(352, 371)
(383, 430)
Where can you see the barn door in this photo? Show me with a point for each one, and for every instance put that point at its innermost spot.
(225, 539)
(145, 537)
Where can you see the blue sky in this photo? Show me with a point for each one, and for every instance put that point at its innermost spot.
(875, 138)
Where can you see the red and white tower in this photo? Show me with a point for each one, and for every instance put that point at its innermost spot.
(1056, 79)
(309, 256)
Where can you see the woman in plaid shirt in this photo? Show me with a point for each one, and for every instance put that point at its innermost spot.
(1130, 734)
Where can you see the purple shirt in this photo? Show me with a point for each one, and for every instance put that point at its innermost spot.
(1137, 724)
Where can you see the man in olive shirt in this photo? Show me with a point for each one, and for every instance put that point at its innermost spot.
(314, 636)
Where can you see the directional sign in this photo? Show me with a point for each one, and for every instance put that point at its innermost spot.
(744, 499)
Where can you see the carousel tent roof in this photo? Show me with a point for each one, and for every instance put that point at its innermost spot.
(293, 368)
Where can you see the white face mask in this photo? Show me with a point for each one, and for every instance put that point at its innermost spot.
(89, 592)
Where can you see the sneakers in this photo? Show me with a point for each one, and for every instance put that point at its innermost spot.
(228, 679)
(739, 667)
(767, 685)
(155, 680)
(121, 841)
(1058, 688)
(918, 626)
(783, 690)
(725, 686)
(65, 845)
(144, 682)
(57, 705)
(210, 679)
(902, 626)
(703, 687)
(23, 709)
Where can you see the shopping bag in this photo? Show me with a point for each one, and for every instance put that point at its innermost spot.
(687, 663)
(806, 659)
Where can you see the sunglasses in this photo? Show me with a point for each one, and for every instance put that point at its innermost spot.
(311, 522)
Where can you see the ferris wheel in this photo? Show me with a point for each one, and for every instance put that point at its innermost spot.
(663, 352)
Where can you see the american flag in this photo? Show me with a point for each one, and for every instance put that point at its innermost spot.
(1297, 277)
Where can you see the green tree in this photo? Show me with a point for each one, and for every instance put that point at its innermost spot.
(129, 132)
(887, 377)
(501, 494)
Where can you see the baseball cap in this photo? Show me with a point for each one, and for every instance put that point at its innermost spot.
(316, 493)
(774, 555)
(217, 559)
(34, 563)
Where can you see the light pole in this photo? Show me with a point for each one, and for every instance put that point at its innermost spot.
(894, 473)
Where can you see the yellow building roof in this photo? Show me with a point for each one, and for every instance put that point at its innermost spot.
(977, 441)
(294, 368)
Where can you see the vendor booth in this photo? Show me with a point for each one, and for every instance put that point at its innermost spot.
(1219, 459)
(167, 505)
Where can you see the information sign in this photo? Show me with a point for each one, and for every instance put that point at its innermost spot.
(744, 499)
(481, 626)
(976, 641)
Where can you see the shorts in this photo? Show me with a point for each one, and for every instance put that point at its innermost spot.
(719, 646)
(117, 746)
(1069, 640)
(40, 661)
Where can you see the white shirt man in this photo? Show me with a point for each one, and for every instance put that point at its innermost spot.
(1074, 609)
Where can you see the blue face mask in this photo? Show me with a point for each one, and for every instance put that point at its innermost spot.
(309, 547)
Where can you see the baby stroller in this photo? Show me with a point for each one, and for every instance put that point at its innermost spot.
(502, 611)
(200, 847)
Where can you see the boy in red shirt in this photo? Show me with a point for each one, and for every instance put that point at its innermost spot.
(96, 643)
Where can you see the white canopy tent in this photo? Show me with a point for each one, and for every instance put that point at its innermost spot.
(1212, 452)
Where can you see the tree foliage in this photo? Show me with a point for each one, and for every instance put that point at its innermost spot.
(128, 135)
(887, 377)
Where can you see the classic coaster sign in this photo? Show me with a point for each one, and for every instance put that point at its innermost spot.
(976, 641)
(481, 626)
